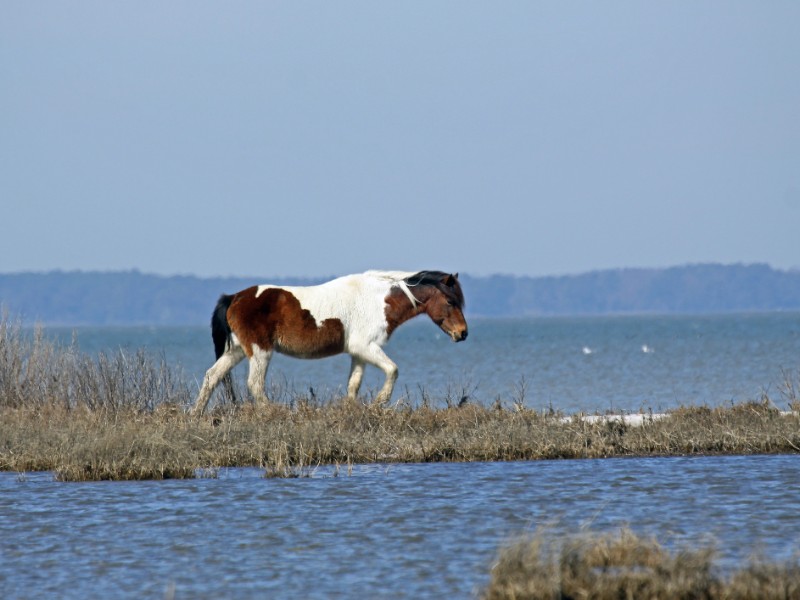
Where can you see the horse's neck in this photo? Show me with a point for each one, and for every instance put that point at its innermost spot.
(400, 309)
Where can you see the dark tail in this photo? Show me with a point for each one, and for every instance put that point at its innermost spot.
(220, 329)
(221, 334)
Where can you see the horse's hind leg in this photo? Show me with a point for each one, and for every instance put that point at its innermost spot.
(214, 375)
(229, 390)
(259, 363)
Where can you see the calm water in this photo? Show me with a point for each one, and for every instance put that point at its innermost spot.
(423, 531)
(583, 364)
(405, 531)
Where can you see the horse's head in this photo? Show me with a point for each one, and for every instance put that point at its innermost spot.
(445, 306)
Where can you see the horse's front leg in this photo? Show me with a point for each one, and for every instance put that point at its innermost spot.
(375, 356)
(356, 375)
(256, 378)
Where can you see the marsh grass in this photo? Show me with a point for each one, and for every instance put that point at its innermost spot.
(37, 372)
(81, 443)
(122, 416)
(624, 565)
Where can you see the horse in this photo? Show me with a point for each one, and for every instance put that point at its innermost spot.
(355, 314)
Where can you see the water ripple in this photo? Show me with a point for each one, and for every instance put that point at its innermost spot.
(404, 531)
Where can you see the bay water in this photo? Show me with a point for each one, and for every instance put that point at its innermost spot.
(384, 531)
(433, 530)
(586, 364)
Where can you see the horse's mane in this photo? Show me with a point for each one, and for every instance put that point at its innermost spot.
(396, 279)
(409, 279)
(437, 279)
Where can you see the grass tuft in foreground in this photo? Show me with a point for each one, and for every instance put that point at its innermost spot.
(623, 565)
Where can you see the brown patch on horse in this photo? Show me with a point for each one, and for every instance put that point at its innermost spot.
(399, 309)
(276, 320)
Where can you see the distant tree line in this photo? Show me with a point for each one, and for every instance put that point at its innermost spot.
(131, 297)
(704, 288)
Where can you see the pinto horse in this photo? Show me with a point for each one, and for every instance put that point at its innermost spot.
(355, 314)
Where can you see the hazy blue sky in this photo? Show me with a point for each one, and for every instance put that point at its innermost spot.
(322, 138)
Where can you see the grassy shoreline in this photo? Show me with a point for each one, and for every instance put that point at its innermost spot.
(125, 443)
(122, 416)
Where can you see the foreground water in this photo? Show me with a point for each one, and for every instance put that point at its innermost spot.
(400, 531)
(570, 364)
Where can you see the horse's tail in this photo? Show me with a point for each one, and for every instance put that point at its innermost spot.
(221, 334)
(220, 328)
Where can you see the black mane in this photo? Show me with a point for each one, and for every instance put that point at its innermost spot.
(437, 279)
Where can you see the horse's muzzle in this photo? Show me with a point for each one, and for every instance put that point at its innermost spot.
(458, 336)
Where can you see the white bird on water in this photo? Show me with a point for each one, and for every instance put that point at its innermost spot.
(647, 349)
(587, 350)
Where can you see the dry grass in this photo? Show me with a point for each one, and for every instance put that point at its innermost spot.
(620, 566)
(126, 443)
(36, 372)
(122, 416)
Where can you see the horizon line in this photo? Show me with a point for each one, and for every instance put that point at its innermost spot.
(138, 271)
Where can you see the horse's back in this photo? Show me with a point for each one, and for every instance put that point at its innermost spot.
(331, 299)
(312, 321)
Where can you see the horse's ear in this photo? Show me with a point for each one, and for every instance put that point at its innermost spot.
(456, 275)
(449, 280)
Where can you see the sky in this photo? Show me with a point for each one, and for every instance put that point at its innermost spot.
(323, 138)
